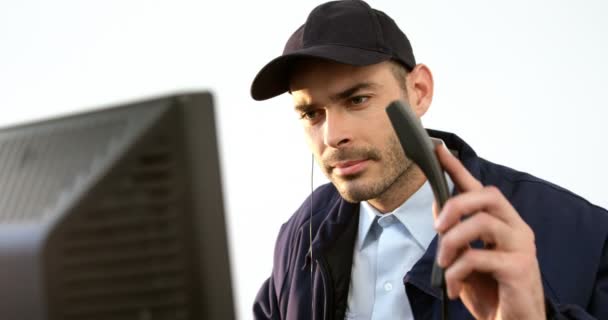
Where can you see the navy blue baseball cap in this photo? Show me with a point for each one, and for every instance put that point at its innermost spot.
(348, 31)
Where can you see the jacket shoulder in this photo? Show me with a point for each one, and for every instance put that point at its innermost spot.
(523, 189)
(316, 205)
(291, 235)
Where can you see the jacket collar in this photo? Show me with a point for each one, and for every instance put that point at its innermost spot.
(464, 152)
(340, 215)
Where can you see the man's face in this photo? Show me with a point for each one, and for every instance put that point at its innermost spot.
(342, 109)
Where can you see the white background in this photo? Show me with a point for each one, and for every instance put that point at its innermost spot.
(523, 81)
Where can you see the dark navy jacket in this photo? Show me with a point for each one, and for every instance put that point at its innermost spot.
(571, 241)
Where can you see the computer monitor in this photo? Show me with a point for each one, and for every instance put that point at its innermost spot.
(115, 214)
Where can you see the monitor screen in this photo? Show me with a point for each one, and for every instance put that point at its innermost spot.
(115, 214)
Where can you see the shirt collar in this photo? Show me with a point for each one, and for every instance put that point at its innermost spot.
(367, 216)
(416, 214)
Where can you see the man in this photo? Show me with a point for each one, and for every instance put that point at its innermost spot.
(526, 250)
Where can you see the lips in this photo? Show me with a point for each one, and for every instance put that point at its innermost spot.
(347, 168)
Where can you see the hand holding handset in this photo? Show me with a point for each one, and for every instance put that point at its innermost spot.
(419, 147)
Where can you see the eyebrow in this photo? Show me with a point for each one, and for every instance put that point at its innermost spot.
(347, 93)
(344, 94)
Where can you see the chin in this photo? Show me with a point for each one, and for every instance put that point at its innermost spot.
(355, 191)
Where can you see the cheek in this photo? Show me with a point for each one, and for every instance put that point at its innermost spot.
(379, 125)
(382, 137)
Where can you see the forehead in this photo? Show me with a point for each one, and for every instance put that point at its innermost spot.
(324, 76)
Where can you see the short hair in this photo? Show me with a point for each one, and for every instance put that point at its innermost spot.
(400, 73)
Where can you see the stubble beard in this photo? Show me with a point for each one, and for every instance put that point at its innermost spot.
(356, 188)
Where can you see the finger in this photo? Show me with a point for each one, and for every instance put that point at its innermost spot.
(488, 199)
(435, 210)
(480, 226)
(463, 180)
(489, 262)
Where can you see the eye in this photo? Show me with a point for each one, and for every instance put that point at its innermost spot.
(357, 100)
(309, 115)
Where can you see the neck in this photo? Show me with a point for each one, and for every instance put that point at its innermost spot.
(404, 187)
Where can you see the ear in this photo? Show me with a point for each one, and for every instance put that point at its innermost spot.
(420, 89)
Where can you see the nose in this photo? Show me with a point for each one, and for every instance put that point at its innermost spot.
(337, 132)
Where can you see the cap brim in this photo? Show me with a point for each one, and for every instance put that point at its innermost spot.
(273, 79)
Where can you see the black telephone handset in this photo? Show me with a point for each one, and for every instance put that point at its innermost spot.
(419, 147)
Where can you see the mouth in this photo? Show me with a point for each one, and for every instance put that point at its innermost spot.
(349, 168)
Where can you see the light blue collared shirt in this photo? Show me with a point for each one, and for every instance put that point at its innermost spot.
(387, 247)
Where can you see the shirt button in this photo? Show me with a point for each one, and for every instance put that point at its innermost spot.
(388, 286)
